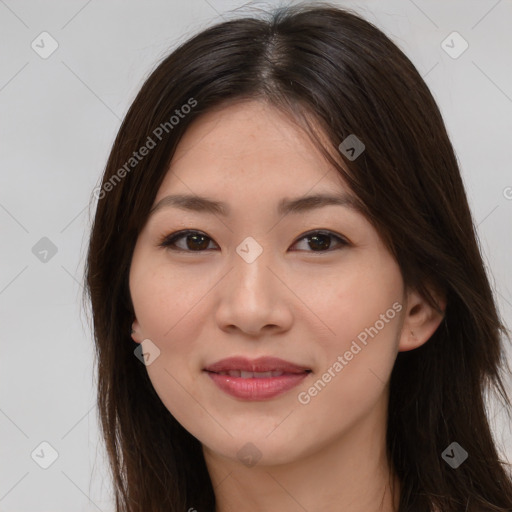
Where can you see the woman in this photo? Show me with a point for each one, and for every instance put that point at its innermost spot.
(283, 231)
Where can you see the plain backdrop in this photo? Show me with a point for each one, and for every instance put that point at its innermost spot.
(59, 115)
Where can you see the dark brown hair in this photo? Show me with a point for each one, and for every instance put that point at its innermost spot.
(338, 75)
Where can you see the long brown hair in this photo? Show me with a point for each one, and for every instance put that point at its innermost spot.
(329, 68)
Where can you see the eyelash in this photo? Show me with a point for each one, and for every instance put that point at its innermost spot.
(169, 241)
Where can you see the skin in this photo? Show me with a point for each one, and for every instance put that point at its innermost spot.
(292, 302)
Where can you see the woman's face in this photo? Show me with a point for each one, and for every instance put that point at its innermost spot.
(255, 279)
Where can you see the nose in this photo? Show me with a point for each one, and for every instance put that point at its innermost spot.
(254, 298)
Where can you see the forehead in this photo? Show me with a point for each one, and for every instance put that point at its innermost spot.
(248, 144)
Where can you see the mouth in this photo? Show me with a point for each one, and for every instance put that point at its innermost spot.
(252, 375)
(262, 366)
(258, 379)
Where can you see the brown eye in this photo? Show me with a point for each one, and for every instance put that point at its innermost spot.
(321, 241)
(194, 241)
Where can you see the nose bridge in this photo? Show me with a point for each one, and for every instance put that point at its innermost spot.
(251, 274)
(251, 299)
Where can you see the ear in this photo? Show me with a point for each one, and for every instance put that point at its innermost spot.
(136, 332)
(421, 319)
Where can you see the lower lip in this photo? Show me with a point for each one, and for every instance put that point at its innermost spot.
(257, 389)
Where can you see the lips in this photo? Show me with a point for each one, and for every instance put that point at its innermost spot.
(246, 368)
(257, 379)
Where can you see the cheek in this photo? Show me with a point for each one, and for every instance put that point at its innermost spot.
(170, 308)
(352, 297)
(166, 306)
(164, 298)
(359, 310)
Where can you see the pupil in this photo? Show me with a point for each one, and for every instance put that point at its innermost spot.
(194, 245)
(319, 239)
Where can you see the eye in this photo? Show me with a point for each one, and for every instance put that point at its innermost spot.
(195, 241)
(320, 241)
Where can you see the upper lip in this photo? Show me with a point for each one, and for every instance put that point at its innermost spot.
(262, 364)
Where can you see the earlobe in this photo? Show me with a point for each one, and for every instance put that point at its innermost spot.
(421, 320)
(135, 332)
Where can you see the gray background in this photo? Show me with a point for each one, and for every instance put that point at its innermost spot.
(58, 119)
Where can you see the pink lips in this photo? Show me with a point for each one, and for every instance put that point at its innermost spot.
(257, 379)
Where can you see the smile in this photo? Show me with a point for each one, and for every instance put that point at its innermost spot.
(251, 375)
(259, 379)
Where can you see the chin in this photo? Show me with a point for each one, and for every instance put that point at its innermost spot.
(260, 451)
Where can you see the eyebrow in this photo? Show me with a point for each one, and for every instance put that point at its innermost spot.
(298, 205)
